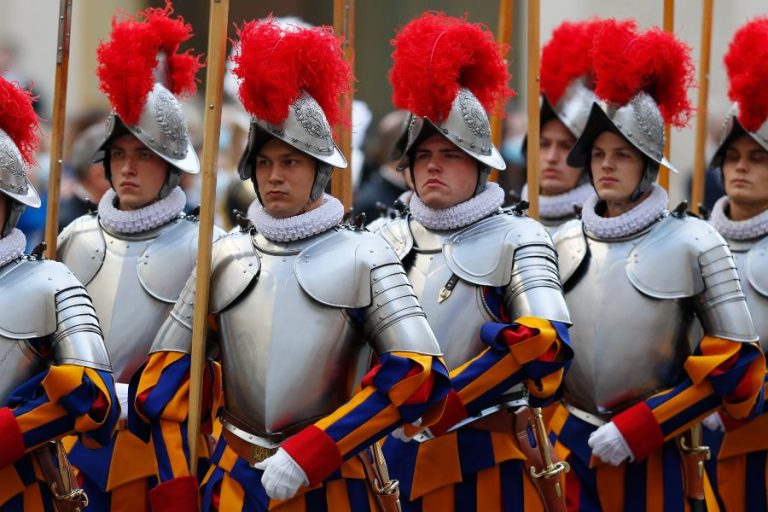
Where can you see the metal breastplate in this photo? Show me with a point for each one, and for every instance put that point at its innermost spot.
(457, 320)
(129, 315)
(18, 362)
(276, 332)
(752, 263)
(627, 344)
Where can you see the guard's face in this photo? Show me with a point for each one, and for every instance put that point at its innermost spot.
(444, 175)
(138, 174)
(555, 142)
(745, 170)
(284, 176)
(616, 166)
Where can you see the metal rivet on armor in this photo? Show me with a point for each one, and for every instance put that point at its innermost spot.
(445, 130)
(283, 259)
(165, 146)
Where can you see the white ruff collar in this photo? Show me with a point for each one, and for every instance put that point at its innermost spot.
(747, 229)
(638, 218)
(143, 219)
(12, 246)
(460, 215)
(305, 225)
(561, 205)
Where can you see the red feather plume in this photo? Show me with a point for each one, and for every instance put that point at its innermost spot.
(627, 62)
(435, 55)
(566, 57)
(276, 64)
(127, 61)
(18, 119)
(747, 65)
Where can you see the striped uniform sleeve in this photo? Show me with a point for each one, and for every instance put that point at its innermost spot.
(530, 350)
(160, 395)
(401, 387)
(62, 400)
(720, 373)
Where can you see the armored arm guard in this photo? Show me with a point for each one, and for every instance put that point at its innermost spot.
(722, 306)
(395, 321)
(535, 289)
(78, 338)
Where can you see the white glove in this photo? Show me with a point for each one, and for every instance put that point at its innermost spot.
(609, 445)
(714, 422)
(282, 475)
(121, 390)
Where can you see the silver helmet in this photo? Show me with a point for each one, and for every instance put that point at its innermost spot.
(744, 64)
(467, 126)
(443, 67)
(162, 128)
(297, 108)
(639, 121)
(14, 183)
(142, 89)
(642, 81)
(573, 108)
(733, 128)
(305, 129)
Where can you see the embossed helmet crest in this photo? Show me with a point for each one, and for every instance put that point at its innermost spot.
(141, 71)
(449, 73)
(19, 127)
(293, 80)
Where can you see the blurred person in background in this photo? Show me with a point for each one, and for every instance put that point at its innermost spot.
(386, 183)
(89, 180)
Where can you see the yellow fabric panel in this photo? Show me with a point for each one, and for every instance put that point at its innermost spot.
(531, 496)
(610, 486)
(336, 496)
(440, 500)
(441, 452)
(172, 437)
(131, 459)
(750, 437)
(731, 475)
(10, 483)
(654, 484)
(489, 489)
(714, 352)
(33, 499)
(505, 447)
(130, 497)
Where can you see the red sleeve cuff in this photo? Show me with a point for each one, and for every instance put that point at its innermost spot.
(13, 441)
(453, 413)
(640, 429)
(177, 495)
(315, 452)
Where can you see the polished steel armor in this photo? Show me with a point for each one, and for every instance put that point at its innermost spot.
(503, 250)
(732, 127)
(278, 373)
(573, 107)
(751, 257)
(134, 280)
(162, 128)
(466, 126)
(305, 128)
(13, 177)
(54, 306)
(639, 121)
(633, 302)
